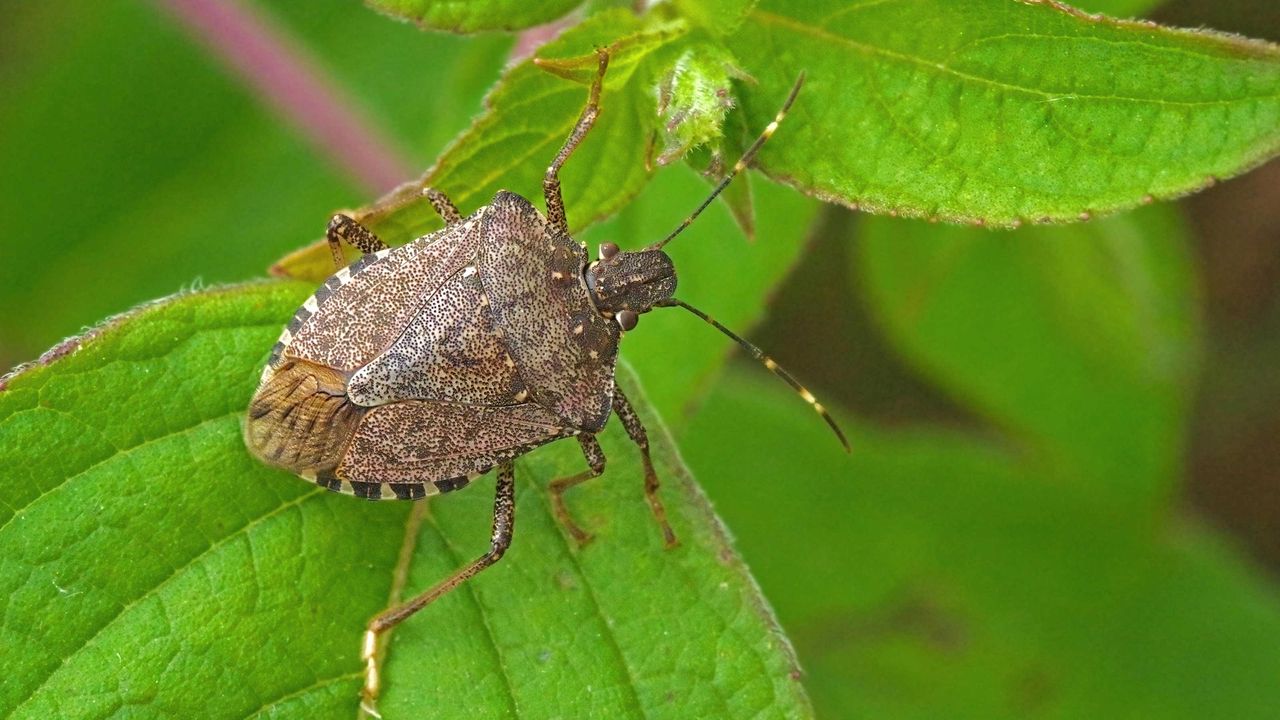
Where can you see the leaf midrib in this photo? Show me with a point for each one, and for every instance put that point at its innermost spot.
(536, 490)
(588, 585)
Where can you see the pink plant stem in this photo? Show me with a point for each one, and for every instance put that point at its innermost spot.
(289, 79)
(535, 37)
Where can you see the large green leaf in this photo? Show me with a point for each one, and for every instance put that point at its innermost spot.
(931, 575)
(527, 117)
(151, 567)
(1081, 341)
(1004, 112)
(475, 15)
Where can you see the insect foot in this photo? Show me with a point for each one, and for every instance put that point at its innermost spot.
(372, 681)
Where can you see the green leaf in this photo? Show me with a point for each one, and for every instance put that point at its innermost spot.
(528, 117)
(150, 566)
(930, 575)
(1003, 112)
(475, 15)
(1081, 342)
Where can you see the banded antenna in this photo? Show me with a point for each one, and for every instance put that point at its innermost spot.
(769, 365)
(739, 166)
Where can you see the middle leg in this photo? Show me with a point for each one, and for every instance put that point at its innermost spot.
(595, 459)
(635, 430)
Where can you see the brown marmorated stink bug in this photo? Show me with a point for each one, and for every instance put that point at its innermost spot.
(415, 370)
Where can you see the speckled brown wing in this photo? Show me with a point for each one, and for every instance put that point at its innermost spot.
(361, 310)
(565, 351)
(451, 350)
(440, 445)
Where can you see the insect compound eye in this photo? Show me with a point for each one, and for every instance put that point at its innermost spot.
(608, 250)
(627, 319)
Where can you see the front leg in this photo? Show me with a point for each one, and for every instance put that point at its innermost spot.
(443, 206)
(551, 182)
(595, 459)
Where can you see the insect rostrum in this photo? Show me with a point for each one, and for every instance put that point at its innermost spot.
(417, 369)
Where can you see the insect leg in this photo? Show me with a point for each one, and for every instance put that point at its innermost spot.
(504, 508)
(635, 429)
(551, 181)
(595, 458)
(344, 228)
(443, 205)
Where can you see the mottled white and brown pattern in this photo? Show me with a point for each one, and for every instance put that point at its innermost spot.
(414, 440)
(450, 351)
(358, 319)
(564, 348)
(438, 360)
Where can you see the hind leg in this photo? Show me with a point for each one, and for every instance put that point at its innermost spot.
(596, 460)
(504, 511)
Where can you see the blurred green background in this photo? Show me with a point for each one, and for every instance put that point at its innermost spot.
(1064, 499)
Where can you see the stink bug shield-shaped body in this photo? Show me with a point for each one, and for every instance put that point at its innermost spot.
(417, 369)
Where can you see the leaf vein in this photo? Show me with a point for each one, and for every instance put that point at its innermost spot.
(872, 50)
(112, 456)
(608, 633)
(507, 684)
(318, 684)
